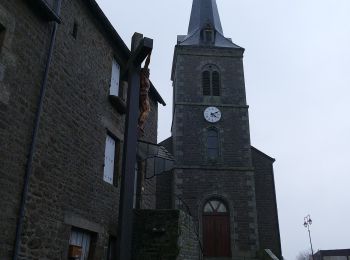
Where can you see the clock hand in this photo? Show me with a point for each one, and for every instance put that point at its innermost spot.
(213, 114)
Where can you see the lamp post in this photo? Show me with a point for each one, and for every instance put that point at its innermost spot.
(307, 224)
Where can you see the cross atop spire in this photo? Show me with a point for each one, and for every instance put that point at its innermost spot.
(205, 26)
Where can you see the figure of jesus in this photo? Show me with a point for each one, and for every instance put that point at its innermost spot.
(145, 85)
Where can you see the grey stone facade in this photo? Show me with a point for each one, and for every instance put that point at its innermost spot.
(66, 188)
(231, 177)
(240, 176)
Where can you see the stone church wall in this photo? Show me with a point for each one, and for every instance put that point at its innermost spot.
(269, 236)
(195, 187)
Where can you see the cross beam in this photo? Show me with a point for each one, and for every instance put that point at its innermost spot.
(141, 47)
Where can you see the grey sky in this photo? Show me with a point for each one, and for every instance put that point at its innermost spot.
(297, 74)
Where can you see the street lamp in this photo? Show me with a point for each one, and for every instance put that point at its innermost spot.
(307, 223)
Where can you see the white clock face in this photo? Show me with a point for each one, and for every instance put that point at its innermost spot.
(212, 114)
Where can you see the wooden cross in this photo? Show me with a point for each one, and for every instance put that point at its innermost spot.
(140, 48)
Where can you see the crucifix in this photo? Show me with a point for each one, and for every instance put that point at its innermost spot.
(140, 48)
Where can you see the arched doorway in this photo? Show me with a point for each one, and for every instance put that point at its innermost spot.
(216, 229)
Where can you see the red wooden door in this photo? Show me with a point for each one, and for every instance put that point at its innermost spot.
(216, 232)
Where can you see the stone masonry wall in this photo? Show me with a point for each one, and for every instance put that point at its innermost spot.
(164, 235)
(266, 204)
(230, 177)
(22, 61)
(66, 188)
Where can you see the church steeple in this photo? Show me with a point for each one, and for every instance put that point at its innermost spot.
(205, 26)
(204, 14)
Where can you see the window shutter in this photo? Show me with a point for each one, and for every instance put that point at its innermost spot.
(216, 83)
(114, 89)
(109, 160)
(206, 83)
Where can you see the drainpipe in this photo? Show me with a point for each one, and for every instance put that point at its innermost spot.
(29, 164)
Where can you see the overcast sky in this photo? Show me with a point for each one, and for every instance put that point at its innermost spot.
(297, 71)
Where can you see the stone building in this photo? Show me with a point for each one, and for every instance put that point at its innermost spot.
(62, 109)
(335, 254)
(223, 182)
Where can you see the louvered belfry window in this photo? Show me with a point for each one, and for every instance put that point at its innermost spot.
(215, 82)
(211, 81)
(206, 83)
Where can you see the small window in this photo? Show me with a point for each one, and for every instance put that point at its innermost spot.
(79, 244)
(75, 30)
(114, 88)
(111, 160)
(2, 36)
(209, 36)
(213, 144)
(215, 206)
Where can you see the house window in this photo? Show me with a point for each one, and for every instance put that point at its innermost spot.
(2, 36)
(114, 88)
(79, 244)
(212, 144)
(75, 30)
(111, 160)
(211, 81)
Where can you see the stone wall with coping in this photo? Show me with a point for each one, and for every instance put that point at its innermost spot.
(165, 235)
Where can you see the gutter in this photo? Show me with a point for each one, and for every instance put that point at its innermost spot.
(29, 164)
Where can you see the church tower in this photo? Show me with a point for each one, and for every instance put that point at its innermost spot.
(225, 184)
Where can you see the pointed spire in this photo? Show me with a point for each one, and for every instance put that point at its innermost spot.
(205, 26)
(204, 13)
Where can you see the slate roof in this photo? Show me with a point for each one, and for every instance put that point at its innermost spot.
(205, 14)
(112, 34)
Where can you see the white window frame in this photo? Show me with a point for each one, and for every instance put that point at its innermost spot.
(115, 78)
(109, 165)
(81, 238)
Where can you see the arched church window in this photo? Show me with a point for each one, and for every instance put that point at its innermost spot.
(215, 206)
(213, 144)
(216, 83)
(206, 83)
(211, 81)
